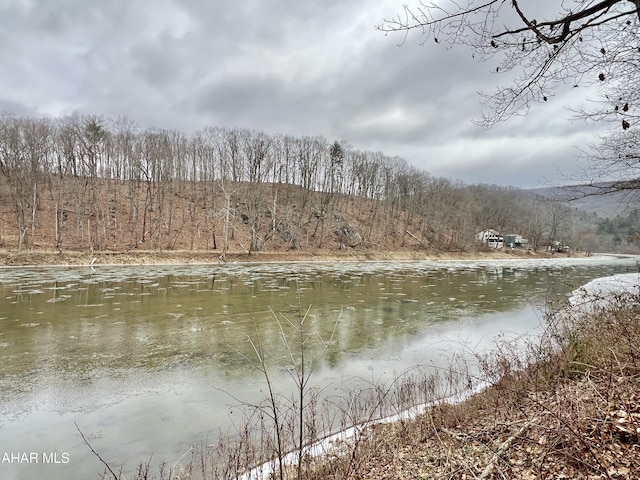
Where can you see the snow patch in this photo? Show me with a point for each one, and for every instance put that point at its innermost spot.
(603, 292)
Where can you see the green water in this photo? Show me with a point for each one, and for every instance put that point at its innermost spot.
(138, 356)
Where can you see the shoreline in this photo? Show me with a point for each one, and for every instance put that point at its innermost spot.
(51, 258)
(451, 433)
(327, 448)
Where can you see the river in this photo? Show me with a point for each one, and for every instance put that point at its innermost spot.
(146, 359)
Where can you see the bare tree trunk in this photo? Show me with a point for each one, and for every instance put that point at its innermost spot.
(34, 207)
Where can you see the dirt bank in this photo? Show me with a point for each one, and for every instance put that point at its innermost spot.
(181, 257)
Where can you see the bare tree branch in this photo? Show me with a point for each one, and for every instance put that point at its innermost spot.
(576, 43)
(107, 466)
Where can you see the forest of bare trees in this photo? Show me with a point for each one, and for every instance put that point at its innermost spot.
(92, 183)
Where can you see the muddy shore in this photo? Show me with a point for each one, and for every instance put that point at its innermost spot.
(15, 258)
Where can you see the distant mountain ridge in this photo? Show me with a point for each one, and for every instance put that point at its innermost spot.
(591, 199)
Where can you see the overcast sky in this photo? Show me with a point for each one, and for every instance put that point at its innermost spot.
(279, 66)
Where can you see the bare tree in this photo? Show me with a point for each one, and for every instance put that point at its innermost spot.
(547, 53)
(202, 153)
(615, 159)
(545, 48)
(227, 215)
(308, 155)
(23, 149)
(111, 182)
(93, 138)
(125, 175)
(256, 147)
(559, 224)
(330, 183)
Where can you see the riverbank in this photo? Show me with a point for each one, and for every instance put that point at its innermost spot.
(454, 440)
(563, 406)
(185, 257)
(566, 407)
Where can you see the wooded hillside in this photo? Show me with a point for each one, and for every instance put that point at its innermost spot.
(86, 182)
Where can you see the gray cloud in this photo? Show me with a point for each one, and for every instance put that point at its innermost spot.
(300, 68)
(15, 108)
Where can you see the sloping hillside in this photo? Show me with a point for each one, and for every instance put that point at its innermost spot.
(591, 199)
(241, 217)
(88, 183)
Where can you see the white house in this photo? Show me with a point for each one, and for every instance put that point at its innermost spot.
(491, 238)
(484, 235)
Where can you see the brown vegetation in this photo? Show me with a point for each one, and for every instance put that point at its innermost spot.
(12, 257)
(96, 185)
(573, 412)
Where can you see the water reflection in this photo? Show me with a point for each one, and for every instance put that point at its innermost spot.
(160, 319)
(144, 346)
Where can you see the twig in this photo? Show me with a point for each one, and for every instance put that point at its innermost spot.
(181, 457)
(420, 241)
(416, 238)
(115, 477)
(503, 449)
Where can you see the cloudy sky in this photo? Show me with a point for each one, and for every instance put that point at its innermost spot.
(279, 66)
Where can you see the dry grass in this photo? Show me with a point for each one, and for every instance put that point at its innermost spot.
(13, 257)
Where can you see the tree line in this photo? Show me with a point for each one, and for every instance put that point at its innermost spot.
(88, 182)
